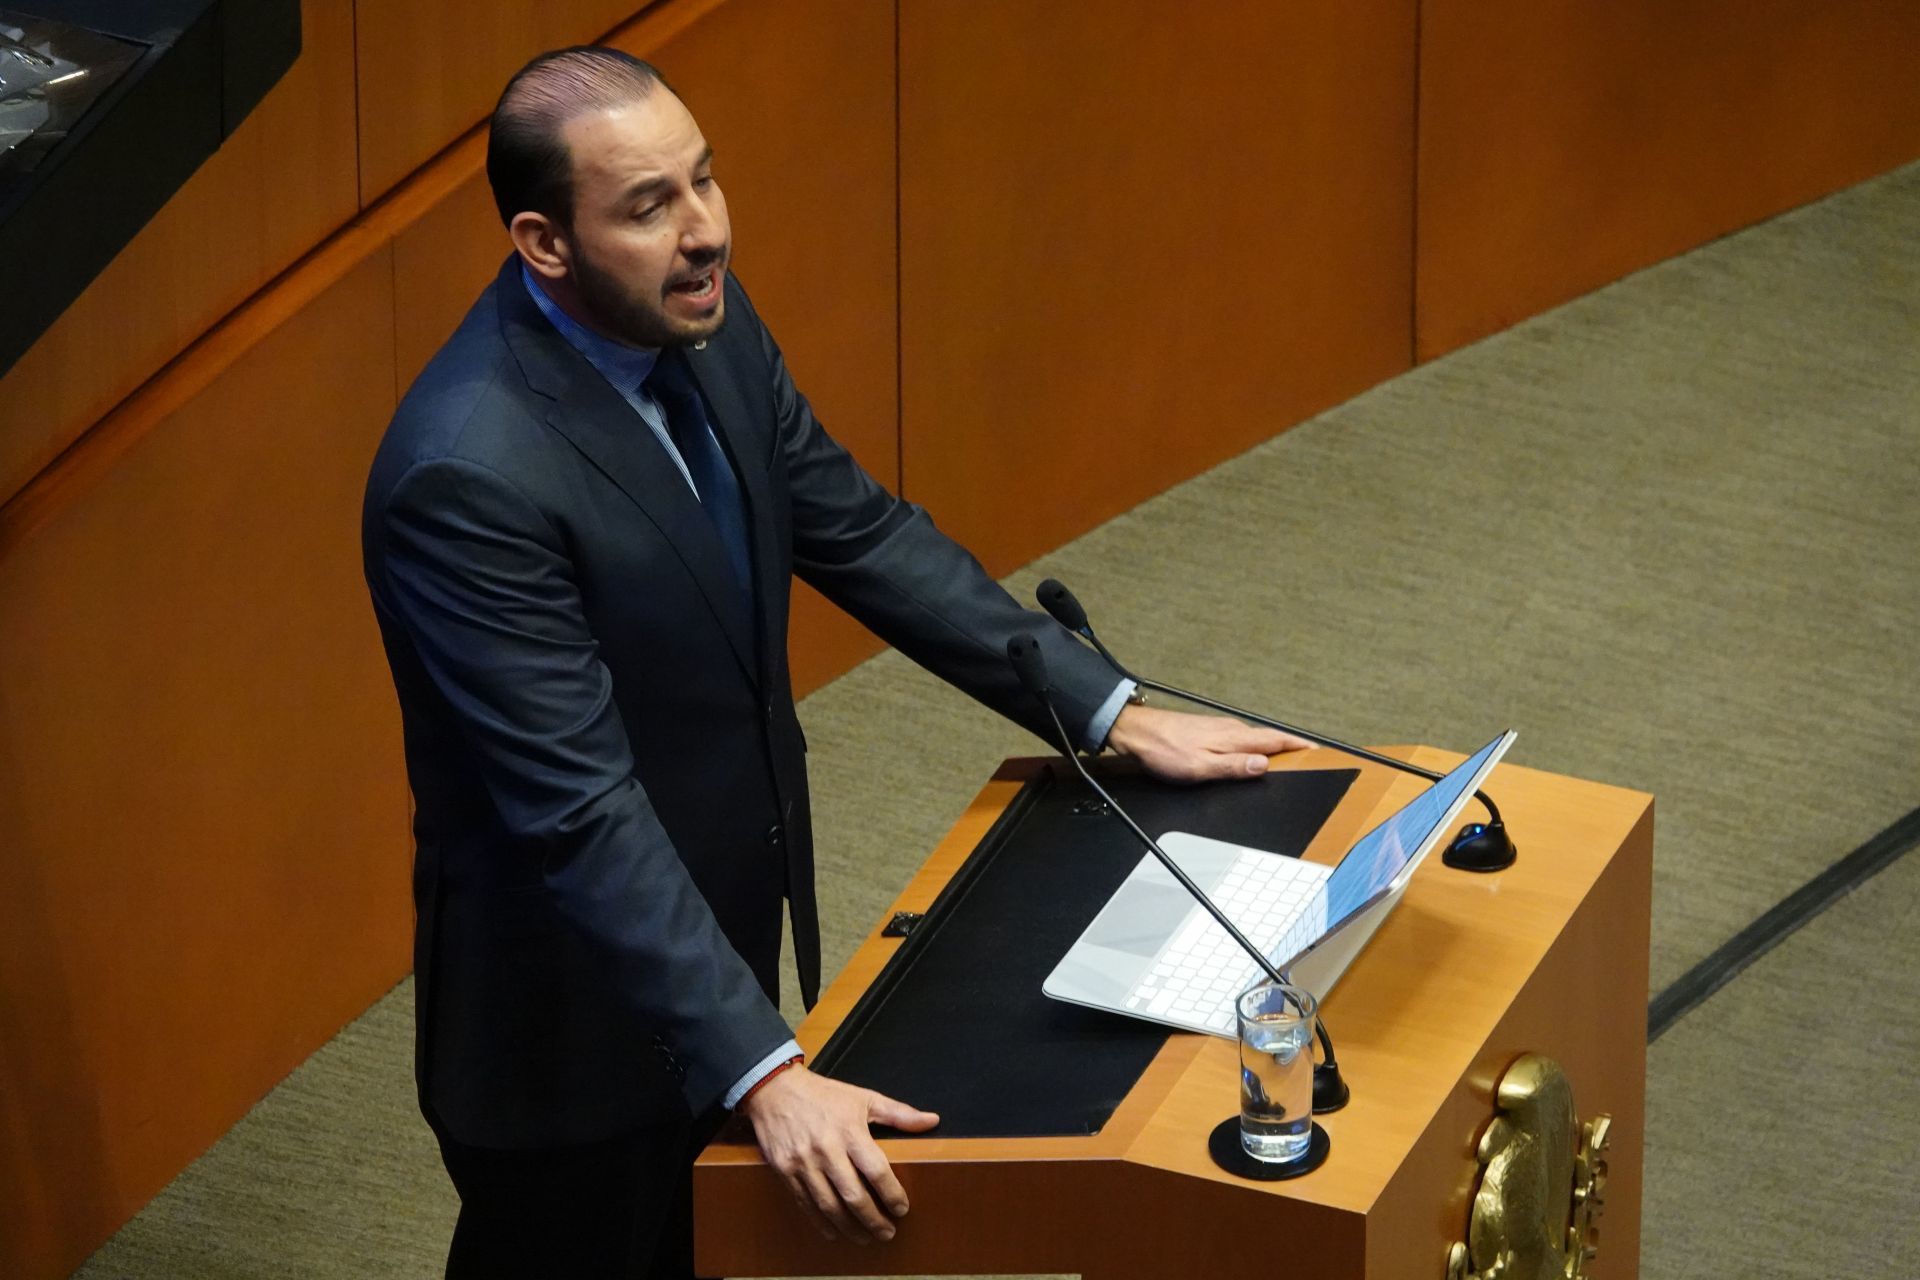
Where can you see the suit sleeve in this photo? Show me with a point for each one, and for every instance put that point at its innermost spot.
(881, 559)
(480, 582)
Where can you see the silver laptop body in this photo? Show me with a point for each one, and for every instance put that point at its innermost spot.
(1154, 953)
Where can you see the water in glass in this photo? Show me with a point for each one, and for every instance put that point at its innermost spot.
(1276, 1085)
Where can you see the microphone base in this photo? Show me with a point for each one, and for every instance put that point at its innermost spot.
(1330, 1092)
(1481, 847)
(1223, 1144)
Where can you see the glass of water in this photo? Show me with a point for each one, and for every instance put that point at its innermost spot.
(1276, 1071)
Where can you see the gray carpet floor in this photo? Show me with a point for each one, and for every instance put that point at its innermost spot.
(1670, 532)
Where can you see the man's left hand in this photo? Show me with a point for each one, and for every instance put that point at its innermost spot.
(1181, 747)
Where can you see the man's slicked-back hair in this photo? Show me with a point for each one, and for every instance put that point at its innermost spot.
(527, 163)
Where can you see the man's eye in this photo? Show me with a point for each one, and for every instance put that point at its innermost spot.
(644, 212)
(704, 181)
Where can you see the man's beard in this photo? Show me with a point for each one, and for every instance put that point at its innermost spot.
(634, 320)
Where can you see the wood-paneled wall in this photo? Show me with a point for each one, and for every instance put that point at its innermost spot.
(1136, 240)
(429, 70)
(278, 187)
(1567, 143)
(1034, 263)
(201, 788)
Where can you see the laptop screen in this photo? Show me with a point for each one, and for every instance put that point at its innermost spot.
(1383, 853)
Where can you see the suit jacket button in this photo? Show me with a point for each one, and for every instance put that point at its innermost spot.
(775, 837)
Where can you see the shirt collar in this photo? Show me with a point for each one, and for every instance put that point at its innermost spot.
(625, 367)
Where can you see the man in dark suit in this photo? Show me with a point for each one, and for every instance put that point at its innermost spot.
(579, 533)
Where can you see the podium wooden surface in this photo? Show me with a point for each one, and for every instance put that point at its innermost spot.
(1471, 971)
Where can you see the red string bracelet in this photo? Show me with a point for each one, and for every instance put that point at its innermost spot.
(761, 1083)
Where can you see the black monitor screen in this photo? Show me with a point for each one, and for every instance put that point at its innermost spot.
(50, 74)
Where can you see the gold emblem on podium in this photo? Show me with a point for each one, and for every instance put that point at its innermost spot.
(1541, 1177)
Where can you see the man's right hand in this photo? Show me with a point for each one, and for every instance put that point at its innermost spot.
(813, 1130)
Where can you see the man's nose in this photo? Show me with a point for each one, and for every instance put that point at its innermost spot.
(704, 230)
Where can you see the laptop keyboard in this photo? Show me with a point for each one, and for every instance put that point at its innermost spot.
(1201, 971)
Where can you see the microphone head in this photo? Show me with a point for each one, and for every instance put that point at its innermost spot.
(1023, 651)
(1058, 601)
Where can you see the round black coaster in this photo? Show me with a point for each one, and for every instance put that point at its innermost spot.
(1223, 1144)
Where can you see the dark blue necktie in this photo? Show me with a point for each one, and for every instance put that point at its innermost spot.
(719, 488)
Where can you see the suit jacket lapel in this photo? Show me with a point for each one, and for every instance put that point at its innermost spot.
(604, 427)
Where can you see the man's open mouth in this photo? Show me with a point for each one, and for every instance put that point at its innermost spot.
(700, 288)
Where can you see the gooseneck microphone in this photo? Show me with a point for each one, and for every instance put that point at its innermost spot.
(1479, 846)
(1330, 1091)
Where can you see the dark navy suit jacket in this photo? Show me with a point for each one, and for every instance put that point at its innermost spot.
(609, 778)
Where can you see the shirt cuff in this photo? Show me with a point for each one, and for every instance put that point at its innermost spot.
(1102, 723)
(760, 1071)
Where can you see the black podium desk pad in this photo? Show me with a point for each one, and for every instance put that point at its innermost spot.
(956, 1021)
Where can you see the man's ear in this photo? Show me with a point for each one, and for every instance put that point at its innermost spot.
(542, 245)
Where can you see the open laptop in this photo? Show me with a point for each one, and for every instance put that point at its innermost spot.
(1155, 953)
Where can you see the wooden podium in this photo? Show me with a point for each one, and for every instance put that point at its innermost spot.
(1469, 973)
